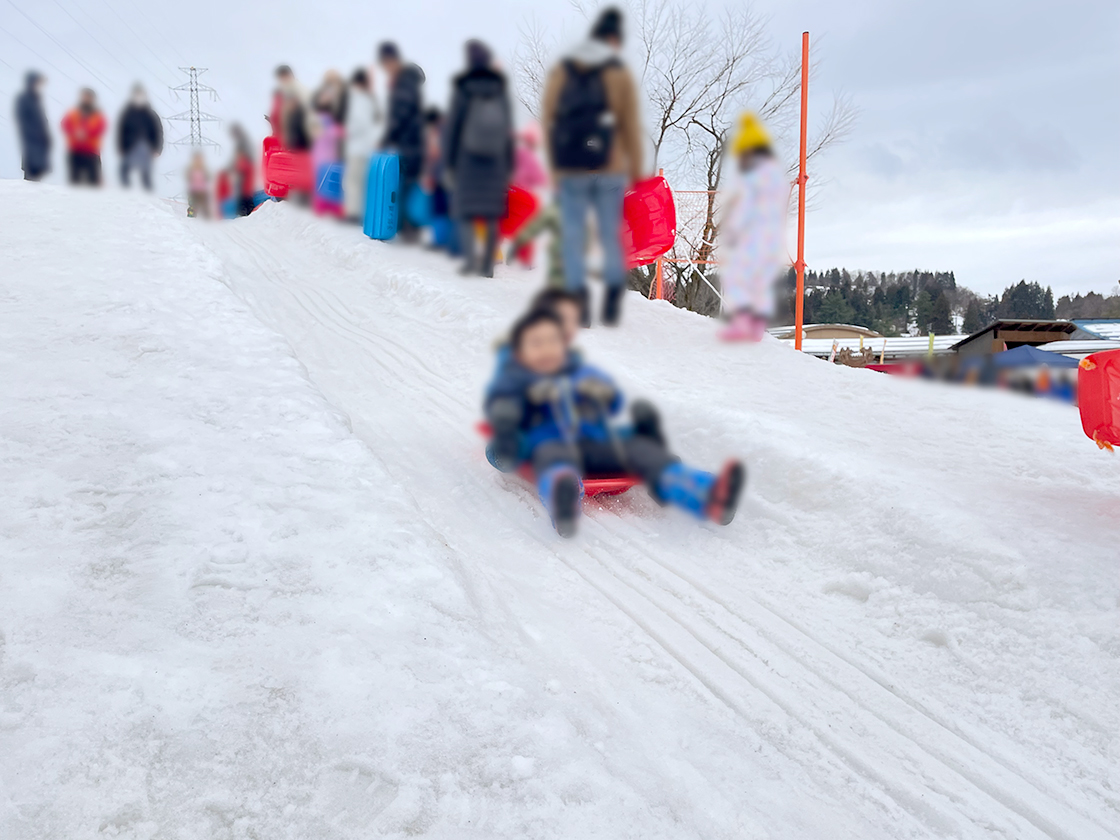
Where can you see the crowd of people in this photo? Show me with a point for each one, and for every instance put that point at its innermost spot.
(552, 415)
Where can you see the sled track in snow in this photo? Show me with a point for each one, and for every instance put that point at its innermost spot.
(738, 653)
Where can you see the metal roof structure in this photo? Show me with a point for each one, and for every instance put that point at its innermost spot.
(1080, 348)
(1021, 325)
(1106, 328)
(891, 348)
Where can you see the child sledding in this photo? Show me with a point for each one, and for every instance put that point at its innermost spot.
(550, 410)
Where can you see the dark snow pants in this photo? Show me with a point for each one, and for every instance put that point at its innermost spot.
(641, 456)
(85, 168)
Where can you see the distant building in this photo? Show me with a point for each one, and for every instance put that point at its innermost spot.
(1010, 333)
(826, 331)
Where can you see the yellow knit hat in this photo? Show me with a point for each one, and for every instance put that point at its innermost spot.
(750, 135)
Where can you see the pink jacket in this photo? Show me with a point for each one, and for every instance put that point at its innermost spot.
(528, 172)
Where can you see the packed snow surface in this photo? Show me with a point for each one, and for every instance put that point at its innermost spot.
(258, 581)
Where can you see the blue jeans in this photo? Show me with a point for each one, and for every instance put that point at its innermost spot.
(603, 192)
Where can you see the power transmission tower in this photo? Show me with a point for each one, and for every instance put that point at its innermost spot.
(195, 115)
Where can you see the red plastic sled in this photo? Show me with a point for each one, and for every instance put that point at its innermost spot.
(1098, 397)
(604, 485)
(285, 170)
(649, 221)
(523, 206)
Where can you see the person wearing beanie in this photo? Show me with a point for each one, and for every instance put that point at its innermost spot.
(478, 154)
(594, 137)
(139, 137)
(404, 130)
(752, 231)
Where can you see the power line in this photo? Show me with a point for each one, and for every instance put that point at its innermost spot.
(57, 43)
(139, 8)
(40, 57)
(136, 35)
(113, 53)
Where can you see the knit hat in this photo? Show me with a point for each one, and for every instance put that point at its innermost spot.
(478, 54)
(750, 135)
(608, 25)
(388, 50)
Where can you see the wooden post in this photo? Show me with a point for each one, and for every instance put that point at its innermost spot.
(802, 177)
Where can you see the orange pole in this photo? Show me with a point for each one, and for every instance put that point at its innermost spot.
(660, 288)
(802, 177)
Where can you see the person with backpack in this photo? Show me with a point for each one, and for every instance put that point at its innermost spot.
(590, 117)
(478, 154)
(139, 137)
(404, 132)
(34, 132)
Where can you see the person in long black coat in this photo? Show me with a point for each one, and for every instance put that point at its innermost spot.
(478, 154)
(404, 130)
(139, 137)
(34, 133)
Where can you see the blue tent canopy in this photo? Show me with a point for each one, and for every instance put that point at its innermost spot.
(1023, 356)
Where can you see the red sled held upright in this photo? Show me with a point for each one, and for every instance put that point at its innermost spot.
(1098, 397)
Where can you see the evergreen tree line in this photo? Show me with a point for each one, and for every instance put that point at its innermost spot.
(919, 302)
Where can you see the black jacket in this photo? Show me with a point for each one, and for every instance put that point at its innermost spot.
(34, 134)
(139, 123)
(405, 130)
(481, 184)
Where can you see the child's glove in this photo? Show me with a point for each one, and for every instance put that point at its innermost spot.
(543, 392)
(597, 390)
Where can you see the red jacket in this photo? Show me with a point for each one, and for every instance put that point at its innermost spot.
(83, 131)
(243, 165)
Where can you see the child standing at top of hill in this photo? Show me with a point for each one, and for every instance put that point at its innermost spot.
(198, 187)
(752, 232)
(549, 409)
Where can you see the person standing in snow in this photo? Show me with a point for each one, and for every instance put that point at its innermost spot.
(84, 126)
(363, 116)
(198, 187)
(528, 174)
(291, 113)
(404, 132)
(139, 137)
(34, 132)
(243, 171)
(752, 232)
(478, 154)
(590, 117)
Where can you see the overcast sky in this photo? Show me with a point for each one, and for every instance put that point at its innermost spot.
(987, 138)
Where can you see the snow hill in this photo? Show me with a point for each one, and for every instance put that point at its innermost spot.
(258, 581)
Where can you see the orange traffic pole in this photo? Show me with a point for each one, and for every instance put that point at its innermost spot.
(802, 177)
(660, 289)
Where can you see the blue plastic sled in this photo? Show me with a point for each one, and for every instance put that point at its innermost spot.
(419, 206)
(383, 197)
(328, 182)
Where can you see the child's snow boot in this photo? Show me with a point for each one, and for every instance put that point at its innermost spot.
(647, 421)
(561, 491)
(724, 498)
(702, 494)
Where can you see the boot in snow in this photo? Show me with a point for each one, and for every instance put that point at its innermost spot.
(647, 421)
(741, 327)
(702, 494)
(561, 492)
(724, 498)
(584, 307)
(612, 305)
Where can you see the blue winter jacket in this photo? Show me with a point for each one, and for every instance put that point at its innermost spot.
(563, 415)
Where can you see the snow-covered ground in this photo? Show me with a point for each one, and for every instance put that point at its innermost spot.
(257, 580)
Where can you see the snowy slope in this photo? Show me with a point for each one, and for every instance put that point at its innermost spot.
(258, 580)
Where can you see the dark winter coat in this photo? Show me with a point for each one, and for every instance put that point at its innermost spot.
(480, 185)
(139, 124)
(563, 415)
(34, 134)
(404, 133)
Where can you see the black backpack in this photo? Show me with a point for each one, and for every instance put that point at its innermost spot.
(583, 128)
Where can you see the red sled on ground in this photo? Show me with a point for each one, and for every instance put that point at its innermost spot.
(523, 205)
(605, 485)
(1098, 397)
(285, 170)
(649, 221)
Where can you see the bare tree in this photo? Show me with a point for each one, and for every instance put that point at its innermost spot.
(697, 70)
